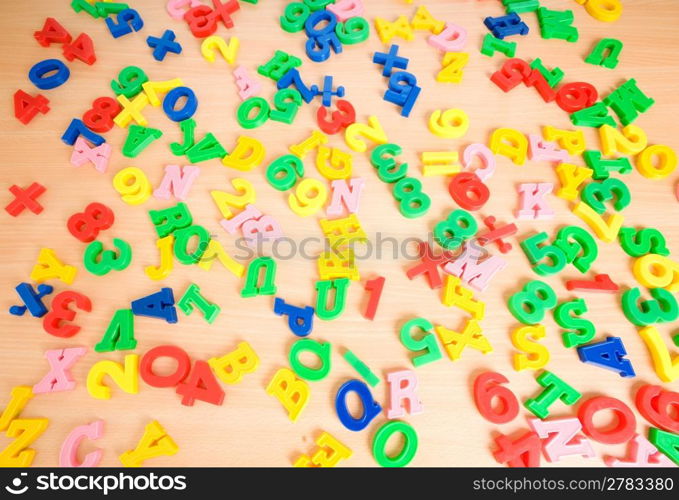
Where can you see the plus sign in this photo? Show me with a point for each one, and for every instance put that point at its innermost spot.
(327, 91)
(496, 234)
(25, 198)
(161, 46)
(390, 60)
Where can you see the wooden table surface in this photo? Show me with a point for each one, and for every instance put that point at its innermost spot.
(251, 428)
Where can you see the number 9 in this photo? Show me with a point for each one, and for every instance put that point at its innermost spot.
(133, 185)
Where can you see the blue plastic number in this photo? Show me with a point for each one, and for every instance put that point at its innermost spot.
(128, 20)
(317, 17)
(318, 48)
(78, 128)
(40, 78)
(189, 108)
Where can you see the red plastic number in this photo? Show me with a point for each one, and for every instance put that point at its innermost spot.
(202, 385)
(82, 48)
(374, 288)
(575, 96)
(486, 387)
(222, 11)
(165, 351)
(512, 73)
(468, 191)
(537, 80)
(26, 106)
(621, 433)
(343, 117)
(523, 452)
(86, 225)
(200, 21)
(54, 321)
(655, 405)
(52, 32)
(100, 117)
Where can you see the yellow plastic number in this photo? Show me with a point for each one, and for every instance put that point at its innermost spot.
(215, 43)
(246, 196)
(372, 131)
(126, 377)
(133, 185)
(450, 124)
(656, 271)
(310, 195)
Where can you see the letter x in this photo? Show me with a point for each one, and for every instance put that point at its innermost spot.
(59, 377)
(25, 198)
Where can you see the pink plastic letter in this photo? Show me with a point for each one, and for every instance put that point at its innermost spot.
(68, 457)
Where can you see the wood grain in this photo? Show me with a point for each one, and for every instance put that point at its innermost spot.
(251, 428)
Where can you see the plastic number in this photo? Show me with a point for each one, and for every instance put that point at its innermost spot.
(294, 16)
(343, 117)
(596, 193)
(529, 305)
(133, 185)
(86, 225)
(245, 197)
(426, 346)
(412, 201)
(579, 246)
(287, 103)
(354, 30)
(458, 227)
(655, 405)
(535, 253)
(100, 117)
(100, 262)
(468, 191)
(512, 73)
(128, 20)
(663, 308)
(283, 172)
(387, 168)
(639, 242)
(130, 81)
(488, 386)
(54, 321)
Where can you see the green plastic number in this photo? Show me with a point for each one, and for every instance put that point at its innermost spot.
(583, 330)
(320, 349)
(535, 253)
(245, 109)
(640, 242)
(282, 173)
(458, 227)
(597, 193)
(529, 305)
(182, 238)
(412, 201)
(354, 30)
(662, 309)
(130, 81)
(426, 343)
(408, 450)
(387, 168)
(579, 246)
(294, 17)
(287, 103)
(100, 262)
